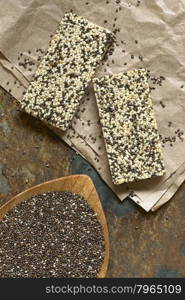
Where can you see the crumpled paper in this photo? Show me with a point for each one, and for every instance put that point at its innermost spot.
(149, 34)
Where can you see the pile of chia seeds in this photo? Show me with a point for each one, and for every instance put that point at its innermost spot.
(51, 235)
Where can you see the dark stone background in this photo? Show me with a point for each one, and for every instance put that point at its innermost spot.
(142, 244)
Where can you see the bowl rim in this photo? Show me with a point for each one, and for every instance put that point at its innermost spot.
(34, 190)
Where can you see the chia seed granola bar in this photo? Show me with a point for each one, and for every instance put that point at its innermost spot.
(129, 126)
(66, 70)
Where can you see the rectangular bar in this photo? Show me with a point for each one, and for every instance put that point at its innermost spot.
(66, 70)
(129, 126)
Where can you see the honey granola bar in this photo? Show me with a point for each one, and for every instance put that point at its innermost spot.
(129, 126)
(66, 70)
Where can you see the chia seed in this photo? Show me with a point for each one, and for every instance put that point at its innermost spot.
(55, 234)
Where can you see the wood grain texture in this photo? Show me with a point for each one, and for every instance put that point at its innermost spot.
(79, 184)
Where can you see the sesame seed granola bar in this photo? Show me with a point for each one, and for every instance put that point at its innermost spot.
(129, 126)
(66, 70)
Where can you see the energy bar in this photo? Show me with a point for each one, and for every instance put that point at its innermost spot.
(129, 126)
(66, 70)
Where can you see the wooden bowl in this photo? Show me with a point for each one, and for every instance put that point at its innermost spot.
(79, 184)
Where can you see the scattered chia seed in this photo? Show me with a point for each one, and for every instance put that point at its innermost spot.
(55, 234)
(162, 104)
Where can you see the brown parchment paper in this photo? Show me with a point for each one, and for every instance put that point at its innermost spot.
(149, 34)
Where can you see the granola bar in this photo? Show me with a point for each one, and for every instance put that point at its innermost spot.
(129, 126)
(66, 70)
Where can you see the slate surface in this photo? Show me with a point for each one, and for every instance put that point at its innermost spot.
(142, 244)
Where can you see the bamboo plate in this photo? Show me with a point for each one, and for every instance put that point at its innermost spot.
(79, 184)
